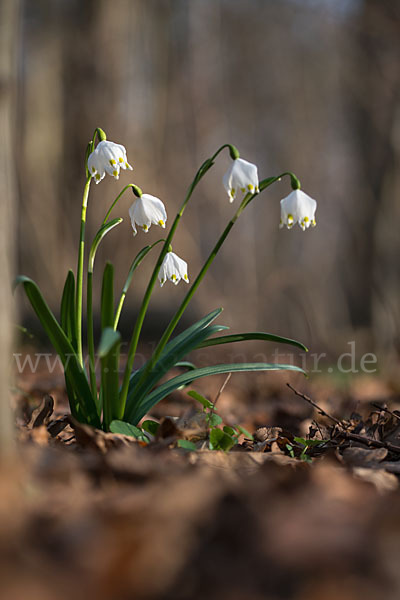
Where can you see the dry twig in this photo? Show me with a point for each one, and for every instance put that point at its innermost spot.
(318, 408)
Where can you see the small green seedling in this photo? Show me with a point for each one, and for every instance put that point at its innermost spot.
(306, 444)
(219, 439)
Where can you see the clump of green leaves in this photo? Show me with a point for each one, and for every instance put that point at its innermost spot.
(113, 402)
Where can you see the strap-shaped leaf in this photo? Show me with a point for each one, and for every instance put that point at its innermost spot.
(109, 357)
(104, 229)
(168, 359)
(173, 352)
(107, 297)
(257, 335)
(67, 311)
(86, 407)
(109, 350)
(124, 428)
(109, 338)
(174, 345)
(166, 388)
(135, 263)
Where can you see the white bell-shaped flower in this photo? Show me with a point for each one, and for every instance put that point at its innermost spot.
(299, 208)
(173, 268)
(146, 211)
(241, 176)
(107, 157)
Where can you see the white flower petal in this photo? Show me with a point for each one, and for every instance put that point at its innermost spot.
(146, 211)
(299, 208)
(173, 268)
(241, 175)
(107, 157)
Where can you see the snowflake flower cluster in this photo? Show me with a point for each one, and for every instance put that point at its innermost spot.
(147, 210)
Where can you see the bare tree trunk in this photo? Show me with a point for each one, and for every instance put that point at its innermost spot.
(375, 90)
(9, 16)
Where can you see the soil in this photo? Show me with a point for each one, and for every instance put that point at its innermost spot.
(88, 514)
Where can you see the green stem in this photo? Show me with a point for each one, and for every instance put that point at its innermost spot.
(136, 262)
(146, 299)
(173, 323)
(119, 308)
(79, 274)
(90, 335)
(175, 320)
(116, 200)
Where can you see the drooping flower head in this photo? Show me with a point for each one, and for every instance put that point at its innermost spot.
(173, 268)
(241, 176)
(147, 210)
(299, 208)
(107, 158)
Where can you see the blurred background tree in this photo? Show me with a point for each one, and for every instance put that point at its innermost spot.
(9, 19)
(307, 85)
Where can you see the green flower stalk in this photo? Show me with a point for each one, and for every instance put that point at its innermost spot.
(146, 299)
(79, 271)
(139, 391)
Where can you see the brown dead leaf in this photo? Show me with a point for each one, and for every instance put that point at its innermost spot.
(41, 415)
(194, 425)
(364, 456)
(239, 463)
(380, 478)
(95, 439)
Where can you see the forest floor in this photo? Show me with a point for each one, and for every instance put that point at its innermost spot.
(85, 514)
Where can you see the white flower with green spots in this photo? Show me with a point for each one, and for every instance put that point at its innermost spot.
(241, 176)
(173, 268)
(299, 208)
(107, 158)
(146, 211)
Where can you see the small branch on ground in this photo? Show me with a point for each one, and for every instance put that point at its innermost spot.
(355, 437)
(386, 410)
(221, 389)
(318, 408)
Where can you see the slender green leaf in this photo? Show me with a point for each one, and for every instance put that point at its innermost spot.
(173, 352)
(75, 406)
(109, 350)
(128, 429)
(186, 364)
(136, 262)
(67, 311)
(107, 297)
(242, 337)
(109, 338)
(104, 229)
(138, 389)
(81, 400)
(109, 361)
(244, 431)
(166, 388)
(174, 345)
